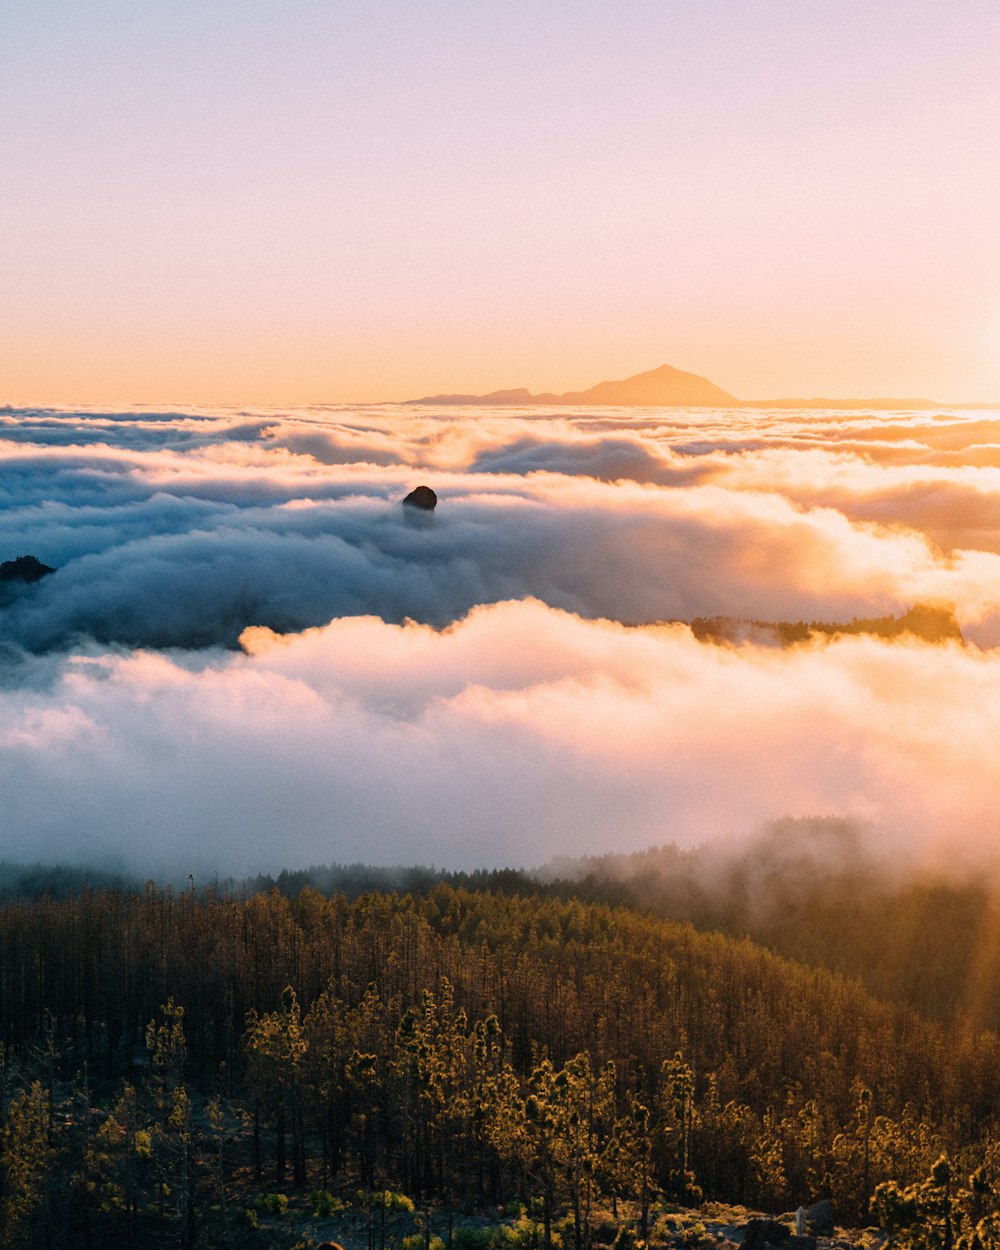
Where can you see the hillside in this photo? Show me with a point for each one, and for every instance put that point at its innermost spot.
(810, 891)
(467, 1049)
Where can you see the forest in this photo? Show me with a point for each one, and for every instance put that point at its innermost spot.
(179, 1065)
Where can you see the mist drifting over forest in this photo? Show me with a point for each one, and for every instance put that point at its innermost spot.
(252, 655)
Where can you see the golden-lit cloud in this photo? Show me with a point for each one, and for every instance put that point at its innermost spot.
(251, 654)
(518, 733)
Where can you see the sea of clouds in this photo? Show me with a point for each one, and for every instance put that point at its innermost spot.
(253, 656)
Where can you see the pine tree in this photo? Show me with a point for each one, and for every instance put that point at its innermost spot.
(26, 1158)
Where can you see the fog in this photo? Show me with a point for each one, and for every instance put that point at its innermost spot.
(251, 655)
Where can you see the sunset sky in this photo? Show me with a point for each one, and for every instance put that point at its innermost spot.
(234, 201)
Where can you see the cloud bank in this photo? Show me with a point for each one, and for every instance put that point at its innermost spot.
(519, 733)
(252, 656)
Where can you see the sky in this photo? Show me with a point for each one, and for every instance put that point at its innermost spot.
(251, 655)
(238, 202)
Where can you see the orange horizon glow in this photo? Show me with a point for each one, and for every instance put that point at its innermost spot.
(361, 204)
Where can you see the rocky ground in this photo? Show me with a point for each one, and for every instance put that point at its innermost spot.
(715, 1226)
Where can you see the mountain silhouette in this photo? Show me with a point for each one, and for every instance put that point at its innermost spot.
(657, 388)
(667, 387)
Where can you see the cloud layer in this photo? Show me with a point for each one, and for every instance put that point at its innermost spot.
(181, 530)
(564, 717)
(519, 733)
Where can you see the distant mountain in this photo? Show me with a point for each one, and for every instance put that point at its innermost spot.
(933, 622)
(657, 388)
(667, 387)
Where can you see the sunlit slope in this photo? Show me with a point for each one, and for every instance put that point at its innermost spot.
(816, 892)
(561, 977)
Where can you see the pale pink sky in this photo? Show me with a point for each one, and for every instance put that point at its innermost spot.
(336, 200)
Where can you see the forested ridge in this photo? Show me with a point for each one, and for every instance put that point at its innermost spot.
(464, 1048)
(803, 889)
(808, 890)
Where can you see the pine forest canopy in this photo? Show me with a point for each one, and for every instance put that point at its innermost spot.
(447, 1044)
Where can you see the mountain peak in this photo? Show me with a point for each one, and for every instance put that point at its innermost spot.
(664, 385)
(656, 388)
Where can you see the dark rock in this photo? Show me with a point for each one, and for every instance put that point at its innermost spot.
(761, 1233)
(423, 497)
(799, 1243)
(24, 569)
(819, 1218)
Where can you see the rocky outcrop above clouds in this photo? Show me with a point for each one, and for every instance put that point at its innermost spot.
(421, 497)
(24, 569)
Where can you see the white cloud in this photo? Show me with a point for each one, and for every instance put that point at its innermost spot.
(519, 733)
(525, 729)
